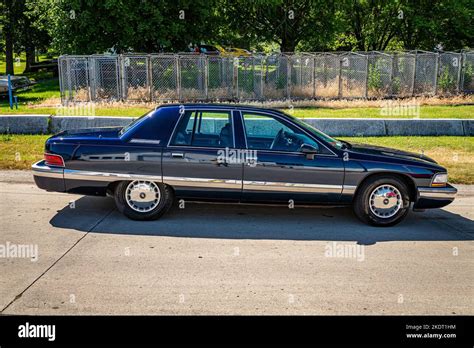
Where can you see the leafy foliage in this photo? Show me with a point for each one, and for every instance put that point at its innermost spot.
(90, 26)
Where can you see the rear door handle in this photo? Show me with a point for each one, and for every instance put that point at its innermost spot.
(177, 155)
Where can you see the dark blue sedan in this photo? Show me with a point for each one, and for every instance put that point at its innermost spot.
(233, 153)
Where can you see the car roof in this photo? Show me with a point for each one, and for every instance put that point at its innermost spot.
(221, 106)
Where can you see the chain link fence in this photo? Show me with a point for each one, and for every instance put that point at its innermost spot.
(188, 77)
(467, 73)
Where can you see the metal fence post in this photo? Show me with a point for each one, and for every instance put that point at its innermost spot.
(261, 79)
(121, 88)
(300, 82)
(235, 77)
(460, 67)
(414, 75)
(436, 74)
(392, 63)
(88, 82)
(366, 77)
(313, 74)
(61, 83)
(68, 68)
(339, 93)
(206, 77)
(178, 75)
(462, 71)
(288, 78)
(148, 77)
(93, 80)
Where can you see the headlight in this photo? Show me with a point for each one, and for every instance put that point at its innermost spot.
(440, 179)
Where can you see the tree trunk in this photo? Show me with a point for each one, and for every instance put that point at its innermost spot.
(9, 38)
(288, 44)
(30, 57)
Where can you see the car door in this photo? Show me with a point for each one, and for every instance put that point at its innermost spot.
(195, 162)
(281, 171)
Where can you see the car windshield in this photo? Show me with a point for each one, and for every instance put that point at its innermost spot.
(321, 135)
(134, 123)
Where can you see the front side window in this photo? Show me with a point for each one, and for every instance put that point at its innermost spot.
(268, 133)
(204, 129)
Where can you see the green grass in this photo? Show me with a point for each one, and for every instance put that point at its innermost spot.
(99, 111)
(20, 151)
(426, 111)
(454, 153)
(20, 68)
(17, 68)
(47, 87)
(27, 100)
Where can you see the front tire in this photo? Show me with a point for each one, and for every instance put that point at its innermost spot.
(382, 201)
(143, 200)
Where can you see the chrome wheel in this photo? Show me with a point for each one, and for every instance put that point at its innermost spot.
(142, 196)
(385, 201)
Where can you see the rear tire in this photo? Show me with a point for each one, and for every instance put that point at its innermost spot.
(143, 200)
(382, 201)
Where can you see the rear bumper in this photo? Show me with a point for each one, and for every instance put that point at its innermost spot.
(48, 178)
(435, 197)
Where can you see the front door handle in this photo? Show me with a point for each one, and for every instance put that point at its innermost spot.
(177, 155)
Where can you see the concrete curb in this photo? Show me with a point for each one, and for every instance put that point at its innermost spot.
(46, 124)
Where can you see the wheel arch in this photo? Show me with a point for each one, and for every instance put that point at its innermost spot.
(412, 191)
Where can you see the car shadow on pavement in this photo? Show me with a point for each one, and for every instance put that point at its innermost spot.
(238, 221)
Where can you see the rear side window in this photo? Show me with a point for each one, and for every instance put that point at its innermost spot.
(204, 129)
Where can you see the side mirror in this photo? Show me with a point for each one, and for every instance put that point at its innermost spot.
(309, 150)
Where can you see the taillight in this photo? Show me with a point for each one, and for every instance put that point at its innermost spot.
(53, 160)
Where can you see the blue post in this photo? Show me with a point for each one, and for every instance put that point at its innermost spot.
(16, 101)
(10, 94)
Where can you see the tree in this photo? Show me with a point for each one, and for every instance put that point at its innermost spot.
(370, 24)
(8, 34)
(86, 26)
(429, 23)
(19, 33)
(31, 34)
(285, 22)
(420, 24)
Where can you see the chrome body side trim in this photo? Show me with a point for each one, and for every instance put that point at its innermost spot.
(43, 170)
(448, 192)
(40, 169)
(107, 177)
(203, 182)
(348, 189)
(145, 141)
(290, 187)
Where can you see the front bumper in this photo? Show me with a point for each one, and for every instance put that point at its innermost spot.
(48, 178)
(435, 197)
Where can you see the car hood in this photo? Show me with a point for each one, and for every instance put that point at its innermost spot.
(389, 152)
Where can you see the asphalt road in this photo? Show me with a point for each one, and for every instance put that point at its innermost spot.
(227, 259)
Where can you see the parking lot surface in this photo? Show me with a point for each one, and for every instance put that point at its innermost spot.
(228, 259)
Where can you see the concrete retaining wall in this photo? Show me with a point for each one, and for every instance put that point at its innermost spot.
(24, 124)
(468, 126)
(60, 123)
(43, 124)
(349, 127)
